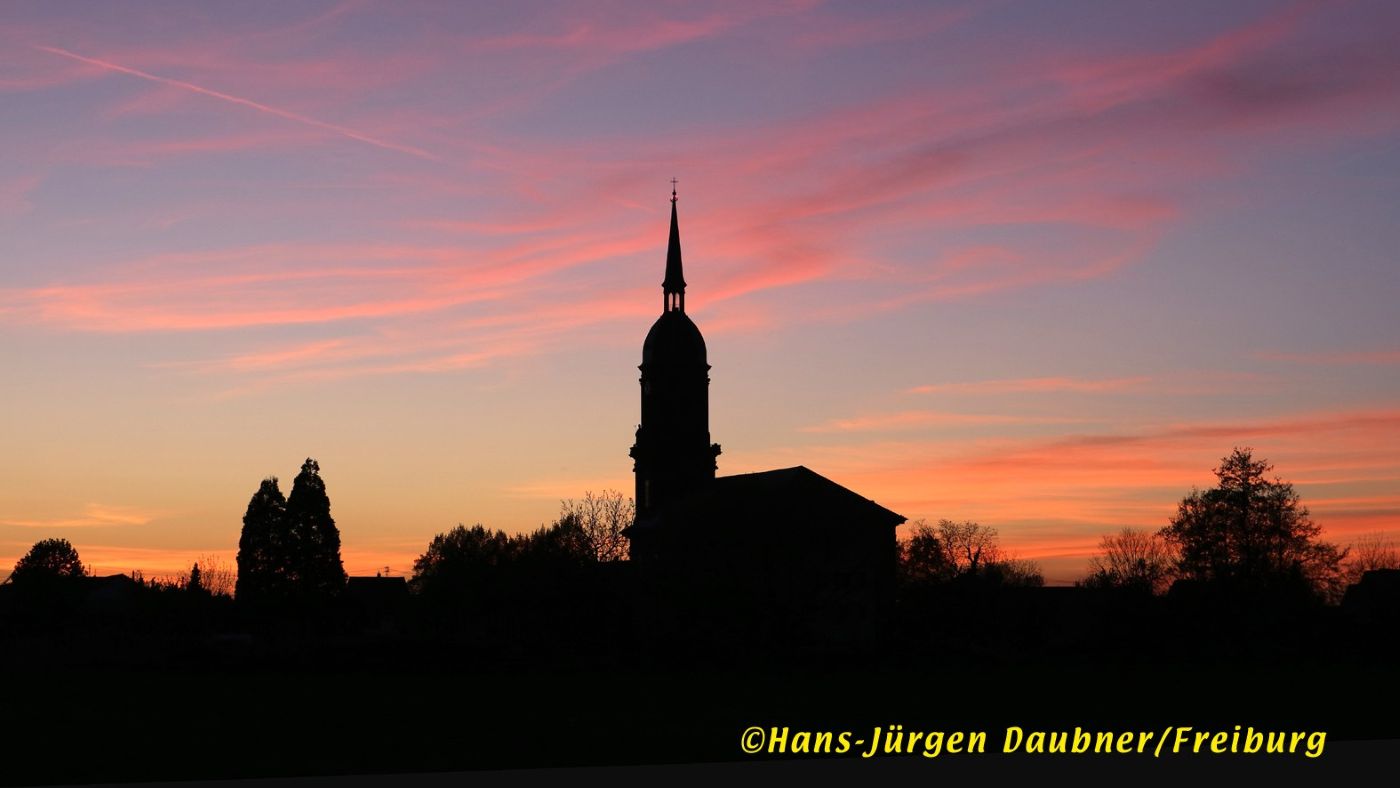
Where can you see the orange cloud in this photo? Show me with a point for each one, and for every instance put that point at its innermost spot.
(1056, 496)
(570, 488)
(95, 515)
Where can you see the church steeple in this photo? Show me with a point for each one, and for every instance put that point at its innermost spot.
(673, 453)
(673, 287)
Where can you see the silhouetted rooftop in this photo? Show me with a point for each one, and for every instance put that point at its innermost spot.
(375, 582)
(785, 494)
(799, 488)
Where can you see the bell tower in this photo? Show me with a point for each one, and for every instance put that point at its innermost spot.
(673, 454)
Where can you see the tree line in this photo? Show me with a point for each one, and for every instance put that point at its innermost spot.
(1249, 533)
(289, 547)
(961, 553)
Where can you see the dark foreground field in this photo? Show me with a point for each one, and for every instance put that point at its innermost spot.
(188, 687)
(112, 724)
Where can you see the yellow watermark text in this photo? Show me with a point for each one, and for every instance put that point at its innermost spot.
(895, 739)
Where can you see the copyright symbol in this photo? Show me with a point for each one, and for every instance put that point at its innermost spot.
(752, 740)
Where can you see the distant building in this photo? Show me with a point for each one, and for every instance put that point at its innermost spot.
(110, 593)
(789, 550)
(1374, 601)
(377, 602)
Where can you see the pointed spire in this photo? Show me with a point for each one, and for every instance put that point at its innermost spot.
(674, 284)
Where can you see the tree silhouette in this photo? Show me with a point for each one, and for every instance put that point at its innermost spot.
(968, 546)
(313, 558)
(921, 557)
(953, 551)
(484, 583)
(1252, 532)
(216, 576)
(1132, 559)
(1370, 552)
(461, 563)
(1018, 572)
(602, 519)
(46, 561)
(262, 563)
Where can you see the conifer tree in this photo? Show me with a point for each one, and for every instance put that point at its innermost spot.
(262, 569)
(314, 560)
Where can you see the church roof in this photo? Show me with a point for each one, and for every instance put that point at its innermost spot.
(785, 494)
(801, 489)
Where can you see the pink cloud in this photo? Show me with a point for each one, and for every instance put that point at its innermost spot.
(293, 284)
(284, 357)
(913, 419)
(643, 29)
(443, 345)
(1018, 385)
(1376, 357)
(823, 31)
(805, 196)
(1097, 84)
(14, 194)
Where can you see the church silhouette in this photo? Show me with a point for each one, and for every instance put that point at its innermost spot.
(787, 551)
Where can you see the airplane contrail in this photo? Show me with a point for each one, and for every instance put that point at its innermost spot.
(281, 113)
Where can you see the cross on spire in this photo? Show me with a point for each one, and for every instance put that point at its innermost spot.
(673, 190)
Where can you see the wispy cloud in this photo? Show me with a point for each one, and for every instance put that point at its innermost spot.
(343, 131)
(1083, 193)
(1019, 385)
(1054, 496)
(575, 487)
(302, 284)
(915, 419)
(94, 515)
(641, 29)
(1371, 357)
(14, 194)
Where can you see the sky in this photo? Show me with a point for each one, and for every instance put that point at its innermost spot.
(1039, 265)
